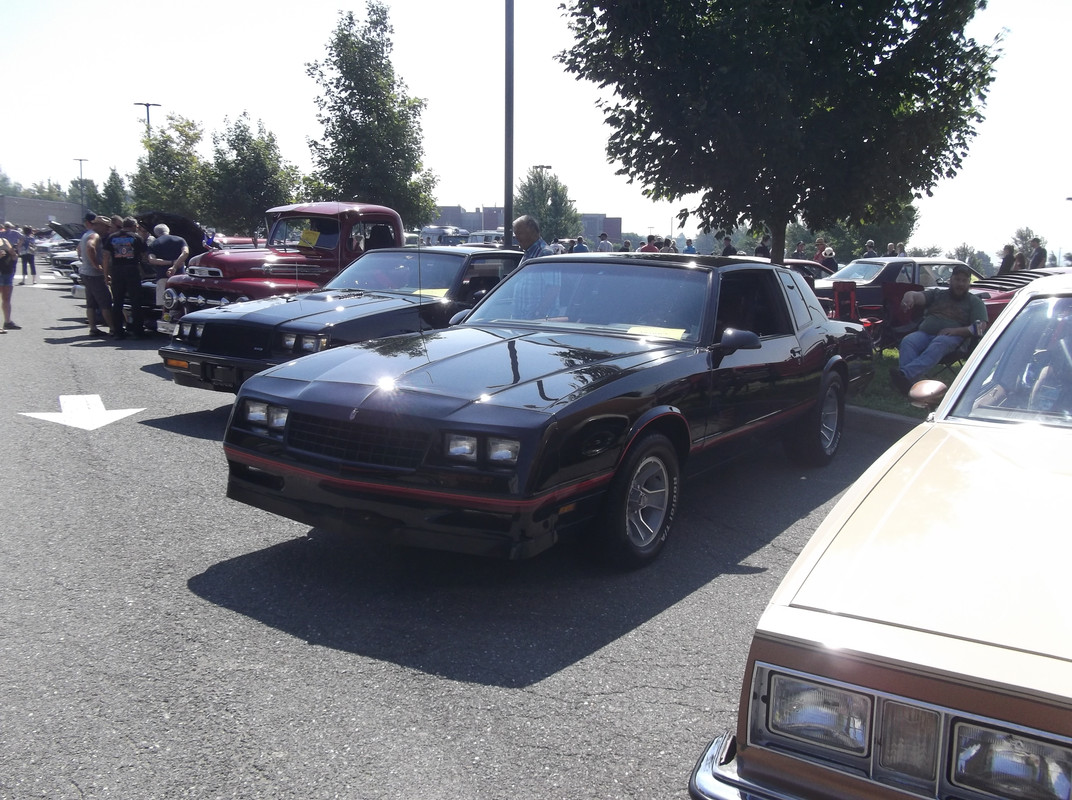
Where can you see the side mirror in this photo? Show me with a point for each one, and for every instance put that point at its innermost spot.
(734, 340)
(458, 317)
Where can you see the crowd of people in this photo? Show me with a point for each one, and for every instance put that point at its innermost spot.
(112, 253)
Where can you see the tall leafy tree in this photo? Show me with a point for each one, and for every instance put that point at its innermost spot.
(246, 177)
(1021, 240)
(772, 111)
(8, 187)
(114, 198)
(86, 188)
(546, 198)
(372, 147)
(170, 175)
(46, 190)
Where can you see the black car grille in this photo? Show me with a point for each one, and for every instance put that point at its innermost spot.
(236, 340)
(356, 442)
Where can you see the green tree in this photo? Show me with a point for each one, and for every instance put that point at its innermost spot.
(772, 111)
(170, 175)
(8, 187)
(372, 146)
(114, 197)
(87, 188)
(246, 177)
(547, 199)
(1021, 241)
(976, 259)
(45, 191)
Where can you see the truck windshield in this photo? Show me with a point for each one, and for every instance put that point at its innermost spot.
(320, 233)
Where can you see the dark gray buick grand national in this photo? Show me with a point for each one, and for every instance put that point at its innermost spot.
(570, 398)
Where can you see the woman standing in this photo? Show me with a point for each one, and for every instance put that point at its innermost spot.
(829, 260)
(27, 248)
(8, 260)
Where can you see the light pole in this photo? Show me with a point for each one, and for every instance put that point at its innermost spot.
(541, 166)
(81, 186)
(147, 106)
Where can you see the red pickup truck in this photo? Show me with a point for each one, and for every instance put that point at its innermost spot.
(307, 245)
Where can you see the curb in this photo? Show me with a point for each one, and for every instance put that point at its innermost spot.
(892, 424)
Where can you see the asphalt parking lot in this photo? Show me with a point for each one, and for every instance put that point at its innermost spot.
(159, 640)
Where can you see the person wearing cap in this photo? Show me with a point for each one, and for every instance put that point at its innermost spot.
(820, 246)
(604, 245)
(869, 252)
(92, 276)
(951, 315)
(1038, 254)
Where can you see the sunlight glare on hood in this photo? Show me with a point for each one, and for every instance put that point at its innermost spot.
(386, 384)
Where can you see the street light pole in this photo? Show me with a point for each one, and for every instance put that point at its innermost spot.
(81, 185)
(147, 106)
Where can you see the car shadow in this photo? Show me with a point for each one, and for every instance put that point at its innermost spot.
(512, 624)
(209, 424)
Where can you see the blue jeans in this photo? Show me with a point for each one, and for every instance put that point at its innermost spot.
(920, 351)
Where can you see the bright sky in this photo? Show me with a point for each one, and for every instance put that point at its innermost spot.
(72, 90)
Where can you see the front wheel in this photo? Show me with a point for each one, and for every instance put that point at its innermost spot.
(814, 439)
(641, 502)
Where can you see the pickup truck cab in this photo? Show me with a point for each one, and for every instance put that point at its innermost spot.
(308, 244)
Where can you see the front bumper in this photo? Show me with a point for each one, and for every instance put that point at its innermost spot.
(715, 775)
(421, 516)
(203, 371)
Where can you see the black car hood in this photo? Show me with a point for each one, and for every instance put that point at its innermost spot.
(318, 309)
(452, 368)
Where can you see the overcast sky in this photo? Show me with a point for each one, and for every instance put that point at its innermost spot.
(72, 90)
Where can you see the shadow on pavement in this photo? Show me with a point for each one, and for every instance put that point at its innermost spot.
(513, 624)
(208, 424)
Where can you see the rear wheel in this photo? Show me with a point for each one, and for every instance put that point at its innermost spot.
(642, 502)
(814, 439)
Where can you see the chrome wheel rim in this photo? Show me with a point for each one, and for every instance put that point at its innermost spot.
(649, 496)
(828, 420)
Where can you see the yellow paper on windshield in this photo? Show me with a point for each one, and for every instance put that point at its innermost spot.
(433, 292)
(309, 238)
(662, 333)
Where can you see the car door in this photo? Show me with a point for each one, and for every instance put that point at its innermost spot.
(748, 387)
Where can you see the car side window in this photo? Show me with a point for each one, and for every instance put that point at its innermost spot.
(482, 274)
(926, 275)
(751, 301)
(904, 274)
(804, 314)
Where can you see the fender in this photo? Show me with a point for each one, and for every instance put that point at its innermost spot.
(665, 418)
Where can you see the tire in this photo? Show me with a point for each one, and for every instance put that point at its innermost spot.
(641, 503)
(814, 440)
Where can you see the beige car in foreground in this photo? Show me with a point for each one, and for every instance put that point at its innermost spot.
(921, 645)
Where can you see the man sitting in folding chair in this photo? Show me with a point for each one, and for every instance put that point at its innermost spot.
(951, 316)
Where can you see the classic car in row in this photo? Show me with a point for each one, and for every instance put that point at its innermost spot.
(384, 292)
(920, 646)
(568, 400)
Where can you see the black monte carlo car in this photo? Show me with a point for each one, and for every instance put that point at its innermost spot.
(382, 293)
(568, 400)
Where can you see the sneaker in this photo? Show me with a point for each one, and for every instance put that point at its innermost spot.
(900, 381)
(22, 283)
(98, 333)
(11, 326)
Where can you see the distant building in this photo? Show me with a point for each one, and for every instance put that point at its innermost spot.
(38, 213)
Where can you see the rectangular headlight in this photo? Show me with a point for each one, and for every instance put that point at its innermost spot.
(310, 344)
(277, 417)
(823, 715)
(461, 447)
(909, 741)
(256, 412)
(1010, 765)
(503, 451)
(288, 340)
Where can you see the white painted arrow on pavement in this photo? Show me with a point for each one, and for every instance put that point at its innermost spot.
(85, 411)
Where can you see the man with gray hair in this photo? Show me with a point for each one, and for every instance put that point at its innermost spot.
(167, 255)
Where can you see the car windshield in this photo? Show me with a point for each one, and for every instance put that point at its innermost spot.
(321, 233)
(1026, 375)
(644, 300)
(859, 271)
(404, 272)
